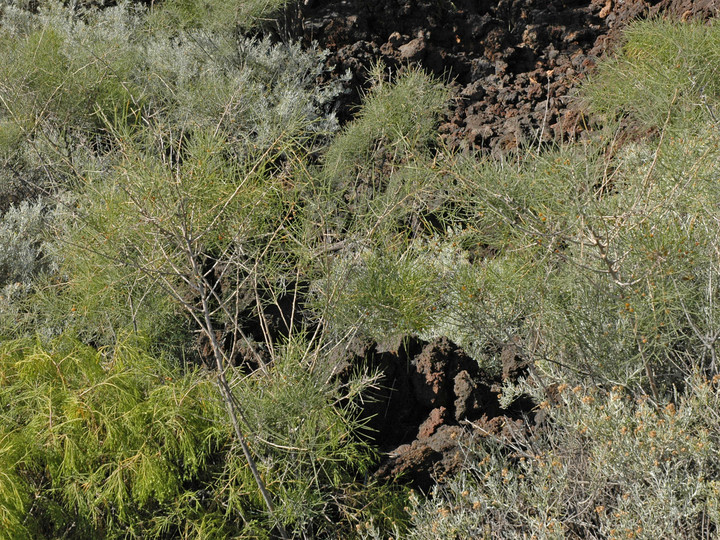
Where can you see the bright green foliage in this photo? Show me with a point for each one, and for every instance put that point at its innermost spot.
(107, 440)
(118, 442)
(318, 438)
(151, 222)
(373, 176)
(384, 295)
(180, 148)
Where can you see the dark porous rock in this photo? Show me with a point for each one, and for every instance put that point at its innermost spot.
(470, 396)
(435, 419)
(430, 397)
(410, 462)
(513, 364)
(414, 51)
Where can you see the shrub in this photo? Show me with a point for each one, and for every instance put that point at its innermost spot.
(60, 79)
(665, 71)
(395, 124)
(198, 198)
(605, 466)
(191, 87)
(375, 180)
(255, 91)
(621, 244)
(72, 77)
(118, 443)
(24, 247)
(216, 15)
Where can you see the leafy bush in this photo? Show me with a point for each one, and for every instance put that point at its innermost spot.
(375, 180)
(71, 77)
(116, 442)
(60, 80)
(248, 95)
(621, 245)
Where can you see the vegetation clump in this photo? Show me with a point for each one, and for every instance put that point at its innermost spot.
(188, 238)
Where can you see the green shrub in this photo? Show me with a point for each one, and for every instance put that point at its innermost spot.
(381, 294)
(665, 70)
(621, 247)
(396, 123)
(104, 439)
(99, 73)
(376, 179)
(217, 15)
(120, 444)
(72, 77)
(193, 200)
(61, 77)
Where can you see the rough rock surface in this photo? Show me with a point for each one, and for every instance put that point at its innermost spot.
(512, 63)
(431, 398)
